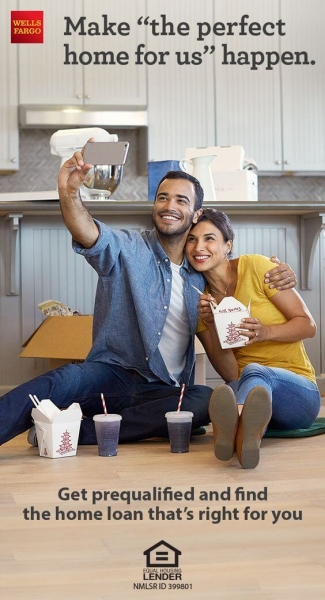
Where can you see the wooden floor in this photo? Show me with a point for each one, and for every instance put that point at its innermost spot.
(234, 559)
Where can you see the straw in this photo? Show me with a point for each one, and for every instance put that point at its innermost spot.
(181, 397)
(36, 399)
(104, 404)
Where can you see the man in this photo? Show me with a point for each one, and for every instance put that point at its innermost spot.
(145, 318)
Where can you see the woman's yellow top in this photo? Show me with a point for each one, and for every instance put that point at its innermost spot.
(252, 289)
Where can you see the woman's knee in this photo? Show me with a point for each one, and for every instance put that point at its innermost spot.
(253, 375)
(254, 370)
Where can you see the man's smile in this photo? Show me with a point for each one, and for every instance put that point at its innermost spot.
(169, 217)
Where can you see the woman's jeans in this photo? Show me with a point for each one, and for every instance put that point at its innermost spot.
(295, 399)
(142, 405)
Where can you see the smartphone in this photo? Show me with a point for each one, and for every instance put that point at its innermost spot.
(106, 153)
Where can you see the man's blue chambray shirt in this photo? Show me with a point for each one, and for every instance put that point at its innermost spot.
(132, 301)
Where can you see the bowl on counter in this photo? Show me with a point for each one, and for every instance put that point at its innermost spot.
(102, 181)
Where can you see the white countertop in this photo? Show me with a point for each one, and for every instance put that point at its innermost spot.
(28, 196)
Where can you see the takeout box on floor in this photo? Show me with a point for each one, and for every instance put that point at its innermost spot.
(227, 314)
(57, 431)
(61, 340)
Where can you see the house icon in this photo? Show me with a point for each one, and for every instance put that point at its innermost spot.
(162, 555)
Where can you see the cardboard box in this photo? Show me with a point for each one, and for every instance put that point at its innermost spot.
(61, 340)
(227, 314)
(235, 186)
(57, 431)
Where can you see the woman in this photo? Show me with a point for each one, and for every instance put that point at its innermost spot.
(276, 379)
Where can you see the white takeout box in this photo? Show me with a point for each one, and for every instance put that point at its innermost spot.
(227, 315)
(57, 431)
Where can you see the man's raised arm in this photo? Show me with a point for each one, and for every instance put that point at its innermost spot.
(75, 215)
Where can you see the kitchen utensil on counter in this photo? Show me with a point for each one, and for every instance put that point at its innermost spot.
(199, 167)
(102, 180)
(157, 169)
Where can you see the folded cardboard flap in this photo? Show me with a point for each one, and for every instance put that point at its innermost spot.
(65, 338)
(47, 412)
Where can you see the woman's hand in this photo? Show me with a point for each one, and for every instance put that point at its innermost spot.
(254, 330)
(204, 308)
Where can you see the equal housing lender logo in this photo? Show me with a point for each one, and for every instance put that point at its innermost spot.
(27, 26)
(162, 570)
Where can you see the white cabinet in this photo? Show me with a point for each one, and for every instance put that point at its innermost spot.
(180, 97)
(248, 103)
(119, 85)
(303, 87)
(46, 80)
(43, 78)
(9, 146)
(276, 115)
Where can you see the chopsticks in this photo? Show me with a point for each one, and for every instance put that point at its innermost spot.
(34, 400)
(199, 292)
(197, 289)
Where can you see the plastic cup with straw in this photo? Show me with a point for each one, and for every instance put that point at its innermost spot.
(107, 428)
(179, 425)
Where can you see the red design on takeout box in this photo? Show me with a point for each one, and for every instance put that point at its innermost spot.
(227, 315)
(27, 27)
(57, 431)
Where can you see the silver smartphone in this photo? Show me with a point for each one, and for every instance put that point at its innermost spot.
(106, 153)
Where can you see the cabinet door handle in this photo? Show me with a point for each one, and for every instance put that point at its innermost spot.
(278, 162)
(287, 162)
(14, 160)
(88, 96)
(79, 96)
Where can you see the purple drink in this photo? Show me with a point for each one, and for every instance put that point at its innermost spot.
(107, 433)
(179, 429)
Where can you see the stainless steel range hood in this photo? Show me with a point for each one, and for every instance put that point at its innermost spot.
(74, 116)
(114, 120)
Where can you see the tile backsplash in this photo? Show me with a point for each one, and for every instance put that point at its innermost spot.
(39, 168)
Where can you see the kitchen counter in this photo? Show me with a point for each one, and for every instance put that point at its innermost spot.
(311, 216)
(46, 203)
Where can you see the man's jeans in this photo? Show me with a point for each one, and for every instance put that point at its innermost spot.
(295, 399)
(142, 405)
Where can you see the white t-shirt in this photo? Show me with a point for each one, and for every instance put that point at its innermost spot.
(176, 334)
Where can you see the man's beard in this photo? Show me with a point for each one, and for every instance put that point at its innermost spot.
(186, 224)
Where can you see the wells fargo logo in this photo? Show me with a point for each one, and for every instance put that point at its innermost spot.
(27, 27)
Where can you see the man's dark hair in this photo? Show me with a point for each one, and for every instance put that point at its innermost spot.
(221, 221)
(183, 175)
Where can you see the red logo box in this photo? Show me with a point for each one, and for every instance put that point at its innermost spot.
(27, 27)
